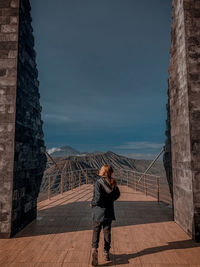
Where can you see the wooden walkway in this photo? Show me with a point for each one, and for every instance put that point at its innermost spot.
(143, 235)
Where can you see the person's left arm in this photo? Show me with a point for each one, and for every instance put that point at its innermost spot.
(96, 194)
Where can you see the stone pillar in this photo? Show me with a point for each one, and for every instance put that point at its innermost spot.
(167, 158)
(22, 157)
(184, 97)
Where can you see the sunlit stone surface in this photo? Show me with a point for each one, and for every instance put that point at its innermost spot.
(184, 107)
(22, 158)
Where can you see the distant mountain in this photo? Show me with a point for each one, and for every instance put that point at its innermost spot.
(96, 160)
(63, 151)
(68, 151)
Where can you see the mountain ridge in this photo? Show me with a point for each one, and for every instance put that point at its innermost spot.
(96, 160)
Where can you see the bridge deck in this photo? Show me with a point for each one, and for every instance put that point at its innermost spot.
(143, 235)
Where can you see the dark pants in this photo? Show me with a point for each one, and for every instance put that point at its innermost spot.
(107, 234)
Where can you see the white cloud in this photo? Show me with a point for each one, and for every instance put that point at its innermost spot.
(140, 145)
(53, 149)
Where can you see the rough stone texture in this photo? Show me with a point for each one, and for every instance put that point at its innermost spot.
(22, 157)
(184, 93)
(8, 78)
(167, 158)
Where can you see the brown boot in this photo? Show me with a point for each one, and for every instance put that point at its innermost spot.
(106, 255)
(94, 257)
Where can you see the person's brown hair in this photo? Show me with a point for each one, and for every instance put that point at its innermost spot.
(107, 171)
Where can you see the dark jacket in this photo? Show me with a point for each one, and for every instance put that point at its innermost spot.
(103, 200)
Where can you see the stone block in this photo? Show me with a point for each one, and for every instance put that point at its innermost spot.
(10, 81)
(13, 20)
(8, 37)
(12, 54)
(4, 20)
(2, 72)
(8, 63)
(14, 3)
(8, 12)
(8, 45)
(4, 54)
(4, 3)
(9, 28)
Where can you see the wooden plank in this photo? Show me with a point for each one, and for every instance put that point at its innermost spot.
(143, 235)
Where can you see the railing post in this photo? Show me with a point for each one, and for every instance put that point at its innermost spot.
(134, 181)
(127, 177)
(49, 188)
(145, 184)
(121, 176)
(158, 188)
(61, 184)
(68, 179)
(79, 179)
(93, 179)
(86, 176)
(72, 181)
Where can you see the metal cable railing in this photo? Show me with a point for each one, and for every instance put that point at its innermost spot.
(149, 184)
(59, 181)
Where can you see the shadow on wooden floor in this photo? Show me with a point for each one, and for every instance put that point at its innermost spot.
(77, 216)
(118, 259)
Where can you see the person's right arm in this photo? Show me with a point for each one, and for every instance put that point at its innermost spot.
(115, 194)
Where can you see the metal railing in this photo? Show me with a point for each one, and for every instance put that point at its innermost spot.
(149, 184)
(59, 181)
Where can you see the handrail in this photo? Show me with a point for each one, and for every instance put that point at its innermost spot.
(61, 181)
(138, 172)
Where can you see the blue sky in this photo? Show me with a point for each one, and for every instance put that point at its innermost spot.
(103, 70)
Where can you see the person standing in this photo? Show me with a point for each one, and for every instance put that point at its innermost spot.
(105, 193)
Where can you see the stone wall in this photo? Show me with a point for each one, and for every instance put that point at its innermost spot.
(8, 83)
(22, 147)
(167, 158)
(184, 94)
